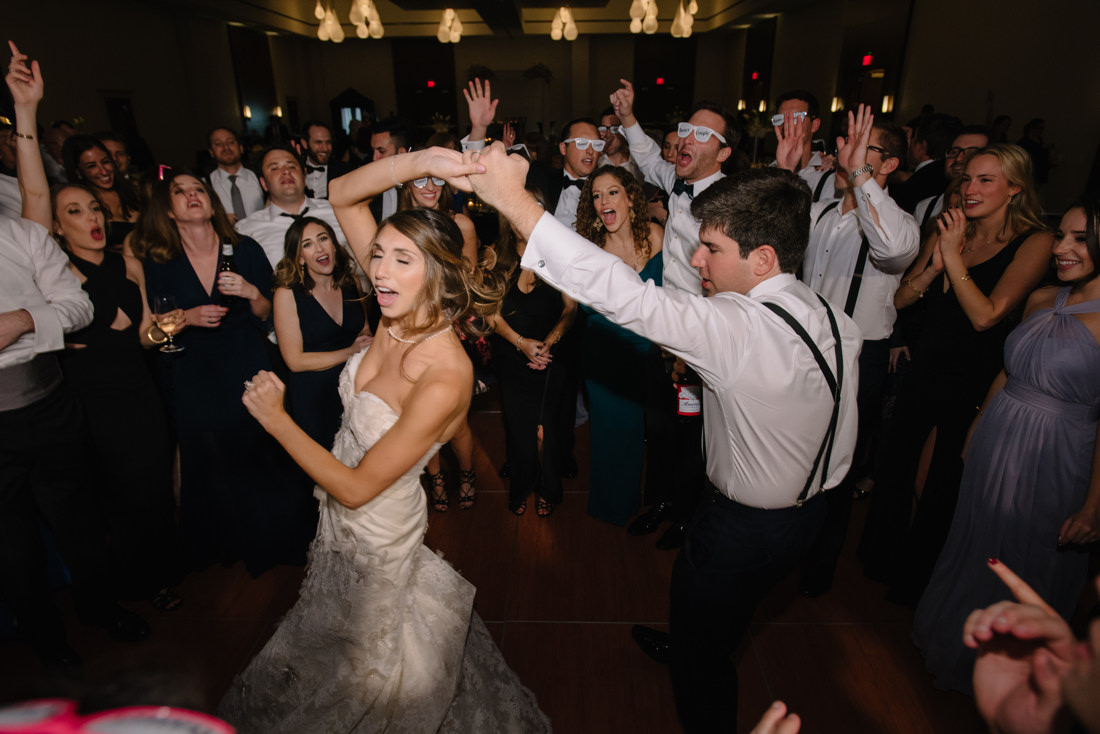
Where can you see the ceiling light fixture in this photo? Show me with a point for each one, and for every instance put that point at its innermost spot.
(563, 25)
(684, 20)
(643, 16)
(450, 27)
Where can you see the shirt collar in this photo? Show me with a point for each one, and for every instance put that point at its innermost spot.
(703, 183)
(274, 210)
(774, 284)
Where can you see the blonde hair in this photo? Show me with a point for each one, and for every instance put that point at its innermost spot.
(1023, 213)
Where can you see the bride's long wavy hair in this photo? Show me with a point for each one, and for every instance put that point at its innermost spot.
(451, 291)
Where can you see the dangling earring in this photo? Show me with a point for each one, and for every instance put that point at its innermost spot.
(631, 210)
(598, 225)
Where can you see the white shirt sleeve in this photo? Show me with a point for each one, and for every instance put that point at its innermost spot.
(66, 307)
(647, 155)
(693, 328)
(895, 239)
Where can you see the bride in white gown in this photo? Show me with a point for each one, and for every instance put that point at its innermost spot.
(384, 637)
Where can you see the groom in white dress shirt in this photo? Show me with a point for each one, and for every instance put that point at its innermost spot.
(780, 407)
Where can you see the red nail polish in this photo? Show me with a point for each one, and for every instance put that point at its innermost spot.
(992, 561)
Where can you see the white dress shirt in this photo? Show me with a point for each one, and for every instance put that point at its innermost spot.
(317, 181)
(812, 175)
(389, 202)
(566, 210)
(11, 201)
(766, 403)
(268, 226)
(835, 240)
(629, 165)
(927, 209)
(35, 275)
(251, 192)
(682, 228)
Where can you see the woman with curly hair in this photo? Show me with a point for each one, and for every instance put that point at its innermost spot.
(612, 214)
(320, 321)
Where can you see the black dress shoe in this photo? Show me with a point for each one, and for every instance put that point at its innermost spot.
(648, 521)
(654, 643)
(673, 538)
(121, 624)
(569, 468)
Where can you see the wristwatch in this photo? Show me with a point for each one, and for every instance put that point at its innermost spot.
(859, 172)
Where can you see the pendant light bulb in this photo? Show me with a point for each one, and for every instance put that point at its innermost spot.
(319, 11)
(649, 25)
(636, 25)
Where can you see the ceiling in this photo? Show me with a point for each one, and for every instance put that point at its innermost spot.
(506, 18)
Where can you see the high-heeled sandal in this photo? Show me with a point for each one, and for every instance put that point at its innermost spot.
(467, 489)
(439, 499)
(543, 508)
(518, 512)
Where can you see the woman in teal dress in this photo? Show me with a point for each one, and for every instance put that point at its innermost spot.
(612, 214)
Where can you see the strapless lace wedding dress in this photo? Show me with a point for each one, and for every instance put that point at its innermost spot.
(383, 637)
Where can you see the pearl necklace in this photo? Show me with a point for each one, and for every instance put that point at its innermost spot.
(395, 337)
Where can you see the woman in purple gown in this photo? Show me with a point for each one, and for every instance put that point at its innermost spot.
(1030, 493)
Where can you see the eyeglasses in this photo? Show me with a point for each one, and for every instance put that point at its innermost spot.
(777, 119)
(59, 716)
(615, 129)
(583, 143)
(702, 134)
(422, 182)
(881, 151)
(956, 152)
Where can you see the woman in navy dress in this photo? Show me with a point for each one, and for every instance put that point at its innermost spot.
(239, 495)
(320, 321)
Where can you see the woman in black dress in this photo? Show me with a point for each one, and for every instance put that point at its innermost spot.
(87, 162)
(239, 494)
(534, 366)
(972, 295)
(320, 321)
(131, 461)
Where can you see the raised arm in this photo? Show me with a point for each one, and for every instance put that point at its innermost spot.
(646, 153)
(1018, 281)
(429, 415)
(27, 89)
(350, 195)
(483, 108)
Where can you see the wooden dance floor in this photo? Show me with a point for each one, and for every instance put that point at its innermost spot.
(559, 595)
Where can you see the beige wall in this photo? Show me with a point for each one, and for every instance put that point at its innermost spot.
(1028, 60)
(807, 52)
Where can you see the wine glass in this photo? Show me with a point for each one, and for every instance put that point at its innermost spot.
(162, 306)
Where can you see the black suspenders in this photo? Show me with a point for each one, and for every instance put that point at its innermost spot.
(834, 383)
(861, 264)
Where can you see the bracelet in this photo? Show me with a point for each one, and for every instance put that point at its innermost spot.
(918, 291)
(965, 276)
(396, 183)
(149, 334)
(981, 411)
(22, 135)
(859, 172)
(518, 343)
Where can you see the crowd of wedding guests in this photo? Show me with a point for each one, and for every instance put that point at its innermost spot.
(980, 320)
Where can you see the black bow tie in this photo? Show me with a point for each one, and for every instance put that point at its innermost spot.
(314, 169)
(683, 187)
(295, 217)
(566, 182)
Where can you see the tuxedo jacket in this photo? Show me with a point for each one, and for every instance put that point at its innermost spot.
(928, 181)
